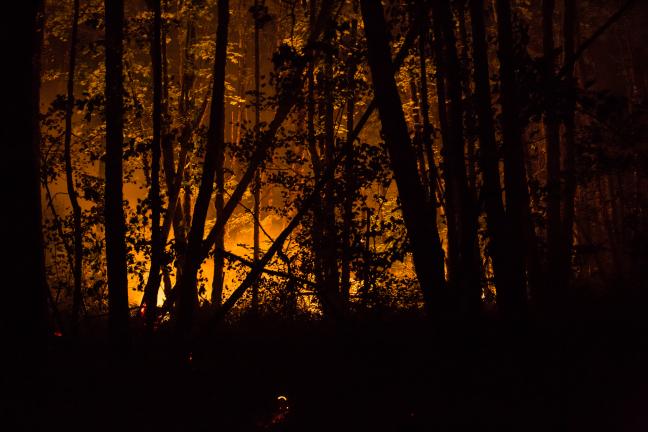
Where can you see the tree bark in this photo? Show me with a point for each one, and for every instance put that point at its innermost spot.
(570, 22)
(22, 228)
(113, 207)
(512, 304)
(552, 139)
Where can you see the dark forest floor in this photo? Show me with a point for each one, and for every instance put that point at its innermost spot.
(392, 375)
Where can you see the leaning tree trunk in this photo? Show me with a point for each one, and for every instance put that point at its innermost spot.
(113, 207)
(417, 214)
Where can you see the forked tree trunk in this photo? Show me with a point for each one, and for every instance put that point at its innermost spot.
(187, 300)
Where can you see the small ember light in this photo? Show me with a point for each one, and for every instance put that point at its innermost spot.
(142, 310)
(58, 333)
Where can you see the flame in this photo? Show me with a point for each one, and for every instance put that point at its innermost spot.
(58, 333)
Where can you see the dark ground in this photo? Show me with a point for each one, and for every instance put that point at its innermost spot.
(588, 375)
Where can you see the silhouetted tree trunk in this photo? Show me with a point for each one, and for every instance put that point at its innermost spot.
(513, 304)
(570, 22)
(552, 138)
(219, 259)
(330, 277)
(187, 300)
(24, 322)
(349, 180)
(417, 214)
(507, 278)
(256, 185)
(315, 159)
(458, 196)
(69, 179)
(452, 246)
(113, 207)
(26, 290)
(153, 285)
(320, 149)
(427, 132)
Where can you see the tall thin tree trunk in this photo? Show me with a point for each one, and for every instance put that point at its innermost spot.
(570, 22)
(349, 182)
(22, 227)
(218, 280)
(256, 186)
(513, 304)
(153, 285)
(427, 132)
(69, 179)
(552, 139)
(114, 212)
(451, 229)
(24, 320)
(329, 247)
(417, 214)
